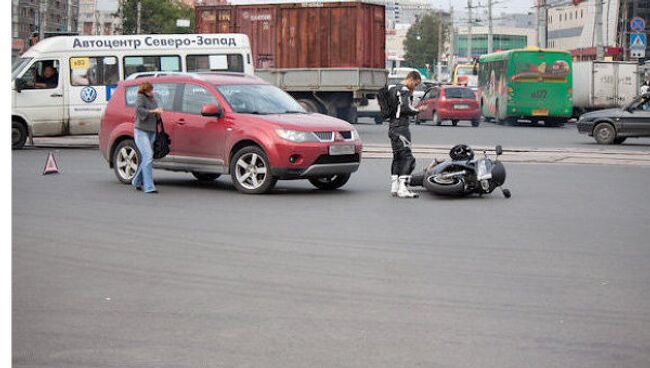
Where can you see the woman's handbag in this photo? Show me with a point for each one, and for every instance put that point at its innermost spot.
(162, 142)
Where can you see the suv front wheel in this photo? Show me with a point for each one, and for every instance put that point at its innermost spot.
(251, 172)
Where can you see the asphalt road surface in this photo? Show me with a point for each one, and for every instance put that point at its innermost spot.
(201, 276)
(490, 134)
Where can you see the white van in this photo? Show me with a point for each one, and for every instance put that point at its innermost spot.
(61, 85)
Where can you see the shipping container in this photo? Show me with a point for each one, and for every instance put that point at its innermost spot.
(604, 84)
(304, 35)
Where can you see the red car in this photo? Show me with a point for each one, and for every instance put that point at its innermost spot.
(453, 103)
(233, 124)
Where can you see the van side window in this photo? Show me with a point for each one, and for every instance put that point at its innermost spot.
(165, 94)
(215, 63)
(93, 71)
(194, 97)
(139, 64)
(43, 74)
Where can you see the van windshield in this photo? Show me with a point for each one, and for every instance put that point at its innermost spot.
(259, 99)
(18, 66)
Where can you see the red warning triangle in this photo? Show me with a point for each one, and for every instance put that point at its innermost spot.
(50, 165)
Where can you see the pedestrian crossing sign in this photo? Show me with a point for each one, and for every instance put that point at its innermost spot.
(638, 41)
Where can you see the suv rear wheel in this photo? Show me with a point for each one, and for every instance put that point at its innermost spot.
(251, 172)
(330, 182)
(125, 161)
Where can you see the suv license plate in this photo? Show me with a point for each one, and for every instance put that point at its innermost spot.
(341, 149)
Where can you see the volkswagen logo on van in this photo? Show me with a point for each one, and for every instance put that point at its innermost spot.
(88, 94)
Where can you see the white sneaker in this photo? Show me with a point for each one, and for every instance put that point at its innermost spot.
(394, 185)
(403, 191)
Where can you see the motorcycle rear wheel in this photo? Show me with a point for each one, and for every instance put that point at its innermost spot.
(447, 187)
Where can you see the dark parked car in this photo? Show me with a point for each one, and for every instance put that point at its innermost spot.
(615, 125)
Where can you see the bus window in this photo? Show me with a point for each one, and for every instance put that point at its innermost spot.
(93, 71)
(215, 63)
(139, 64)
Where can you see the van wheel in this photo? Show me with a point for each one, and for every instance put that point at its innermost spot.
(330, 182)
(604, 133)
(18, 135)
(126, 159)
(205, 176)
(251, 172)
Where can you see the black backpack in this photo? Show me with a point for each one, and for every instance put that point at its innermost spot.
(388, 102)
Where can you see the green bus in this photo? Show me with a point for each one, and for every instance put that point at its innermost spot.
(532, 84)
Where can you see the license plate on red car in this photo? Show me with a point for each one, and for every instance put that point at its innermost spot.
(341, 149)
(461, 107)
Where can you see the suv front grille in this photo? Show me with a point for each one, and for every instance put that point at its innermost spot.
(324, 136)
(342, 159)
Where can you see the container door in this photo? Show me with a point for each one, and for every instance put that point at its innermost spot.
(42, 99)
(628, 83)
(604, 93)
(258, 22)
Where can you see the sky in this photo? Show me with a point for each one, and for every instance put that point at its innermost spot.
(505, 6)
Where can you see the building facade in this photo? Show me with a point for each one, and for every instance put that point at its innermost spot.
(55, 16)
(573, 27)
(504, 38)
(98, 17)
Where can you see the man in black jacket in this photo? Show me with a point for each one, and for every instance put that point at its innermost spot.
(400, 136)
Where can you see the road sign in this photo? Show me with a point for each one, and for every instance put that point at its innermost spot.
(638, 41)
(637, 24)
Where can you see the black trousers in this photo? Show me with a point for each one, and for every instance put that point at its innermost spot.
(400, 141)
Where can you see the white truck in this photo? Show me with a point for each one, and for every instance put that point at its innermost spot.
(604, 84)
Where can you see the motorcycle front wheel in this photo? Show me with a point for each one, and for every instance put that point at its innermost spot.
(445, 186)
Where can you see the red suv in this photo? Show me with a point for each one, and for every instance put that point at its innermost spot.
(453, 103)
(233, 124)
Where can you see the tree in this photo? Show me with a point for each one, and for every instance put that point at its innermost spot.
(157, 16)
(421, 43)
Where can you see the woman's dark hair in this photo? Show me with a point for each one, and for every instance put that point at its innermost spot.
(145, 87)
(413, 75)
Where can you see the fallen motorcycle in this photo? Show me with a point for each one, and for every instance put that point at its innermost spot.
(463, 175)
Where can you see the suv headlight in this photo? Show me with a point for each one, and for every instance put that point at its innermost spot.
(355, 135)
(296, 136)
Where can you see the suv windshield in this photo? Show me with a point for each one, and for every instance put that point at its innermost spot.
(259, 99)
(459, 93)
(18, 66)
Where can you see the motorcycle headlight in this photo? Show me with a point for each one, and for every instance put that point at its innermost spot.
(296, 135)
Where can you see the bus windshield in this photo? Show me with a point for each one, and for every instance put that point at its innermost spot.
(464, 71)
(18, 66)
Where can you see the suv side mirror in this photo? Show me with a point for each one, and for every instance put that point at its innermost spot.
(212, 110)
(499, 150)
